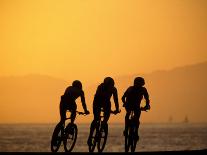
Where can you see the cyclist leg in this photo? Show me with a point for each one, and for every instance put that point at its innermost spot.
(107, 113)
(63, 110)
(126, 119)
(73, 108)
(96, 114)
(137, 116)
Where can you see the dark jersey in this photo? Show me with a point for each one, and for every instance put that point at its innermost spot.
(103, 95)
(71, 94)
(133, 96)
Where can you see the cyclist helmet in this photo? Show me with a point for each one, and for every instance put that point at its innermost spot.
(108, 81)
(139, 81)
(77, 84)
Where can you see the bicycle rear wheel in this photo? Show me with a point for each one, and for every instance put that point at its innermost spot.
(57, 137)
(133, 139)
(92, 140)
(71, 132)
(102, 137)
(127, 139)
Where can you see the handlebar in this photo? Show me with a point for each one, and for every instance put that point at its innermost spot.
(115, 112)
(112, 111)
(81, 113)
(144, 109)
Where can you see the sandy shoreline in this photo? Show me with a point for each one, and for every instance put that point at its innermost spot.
(204, 151)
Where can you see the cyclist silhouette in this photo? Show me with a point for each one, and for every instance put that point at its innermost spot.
(132, 100)
(68, 101)
(102, 101)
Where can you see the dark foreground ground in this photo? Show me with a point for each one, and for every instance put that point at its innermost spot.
(194, 152)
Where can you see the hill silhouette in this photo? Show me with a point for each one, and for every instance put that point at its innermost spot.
(174, 94)
(30, 98)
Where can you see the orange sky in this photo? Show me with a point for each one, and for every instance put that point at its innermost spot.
(87, 40)
(91, 39)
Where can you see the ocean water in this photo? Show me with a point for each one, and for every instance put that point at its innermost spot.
(153, 137)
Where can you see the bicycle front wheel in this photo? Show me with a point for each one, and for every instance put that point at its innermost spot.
(71, 132)
(92, 140)
(102, 137)
(133, 139)
(127, 139)
(57, 137)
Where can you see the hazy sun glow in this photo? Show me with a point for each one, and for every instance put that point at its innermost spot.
(89, 39)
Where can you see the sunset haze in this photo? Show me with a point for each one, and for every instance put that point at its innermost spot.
(59, 41)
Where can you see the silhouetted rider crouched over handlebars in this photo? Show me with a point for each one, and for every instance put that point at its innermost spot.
(68, 101)
(132, 100)
(102, 101)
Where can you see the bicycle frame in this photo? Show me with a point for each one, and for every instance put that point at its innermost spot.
(132, 126)
(130, 130)
(61, 133)
(101, 133)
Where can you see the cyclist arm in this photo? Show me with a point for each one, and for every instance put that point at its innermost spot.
(83, 101)
(115, 96)
(146, 96)
(124, 99)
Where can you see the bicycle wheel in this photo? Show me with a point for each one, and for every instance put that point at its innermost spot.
(92, 140)
(102, 137)
(133, 139)
(127, 138)
(57, 137)
(71, 132)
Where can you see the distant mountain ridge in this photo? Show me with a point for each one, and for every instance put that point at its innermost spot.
(174, 94)
(30, 98)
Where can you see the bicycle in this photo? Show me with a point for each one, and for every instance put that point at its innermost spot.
(99, 134)
(130, 132)
(66, 134)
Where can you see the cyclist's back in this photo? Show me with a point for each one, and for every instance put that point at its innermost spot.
(103, 95)
(71, 94)
(68, 100)
(134, 96)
